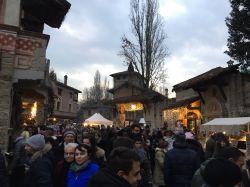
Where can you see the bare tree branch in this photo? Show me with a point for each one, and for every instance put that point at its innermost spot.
(147, 50)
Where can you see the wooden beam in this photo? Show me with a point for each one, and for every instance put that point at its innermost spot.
(202, 99)
(222, 92)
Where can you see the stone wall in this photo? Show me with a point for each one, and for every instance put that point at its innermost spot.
(185, 94)
(237, 102)
(6, 72)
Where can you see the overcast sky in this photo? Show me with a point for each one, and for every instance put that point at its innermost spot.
(90, 38)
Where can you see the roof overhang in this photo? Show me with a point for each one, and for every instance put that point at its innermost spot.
(182, 103)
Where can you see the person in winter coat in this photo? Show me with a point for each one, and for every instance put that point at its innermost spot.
(232, 154)
(99, 154)
(246, 174)
(40, 168)
(17, 166)
(83, 168)
(62, 167)
(146, 173)
(195, 145)
(69, 136)
(222, 173)
(158, 176)
(180, 164)
(122, 170)
(214, 144)
(3, 172)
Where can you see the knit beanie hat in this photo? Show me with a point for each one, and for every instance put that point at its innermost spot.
(37, 141)
(189, 135)
(222, 172)
(69, 132)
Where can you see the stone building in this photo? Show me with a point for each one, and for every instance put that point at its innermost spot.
(220, 92)
(65, 102)
(133, 101)
(24, 69)
(88, 109)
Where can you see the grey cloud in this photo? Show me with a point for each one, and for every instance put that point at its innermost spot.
(195, 38)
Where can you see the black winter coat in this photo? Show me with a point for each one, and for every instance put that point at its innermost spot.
(180, 165)
(197, 147)
(106, 178)
(60, 173)
(40, 171)
(20, 157)
(3, 172)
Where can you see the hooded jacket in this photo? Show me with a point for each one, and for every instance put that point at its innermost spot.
(179, 165)
(40, 170)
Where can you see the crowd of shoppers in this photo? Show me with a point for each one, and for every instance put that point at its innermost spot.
(127, 157)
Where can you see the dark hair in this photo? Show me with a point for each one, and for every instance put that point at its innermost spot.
(92, 140)
(134, 126)
(222, 172)
(123, 142)
(121, 158)
(80, 147)
(230, 152)
(180, 137)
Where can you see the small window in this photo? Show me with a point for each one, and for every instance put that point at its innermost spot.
(71, 95)
(59, 91)
(75, 97)
(69, 107)
(58, 106)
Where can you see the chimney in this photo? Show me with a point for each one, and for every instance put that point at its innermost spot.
(65, 79)
(166, 92)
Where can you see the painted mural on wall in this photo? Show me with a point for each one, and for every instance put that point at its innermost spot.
(22, 46)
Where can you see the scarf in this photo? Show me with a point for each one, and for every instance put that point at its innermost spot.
(76, 167)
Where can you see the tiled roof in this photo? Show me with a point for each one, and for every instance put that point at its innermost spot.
(206, 77)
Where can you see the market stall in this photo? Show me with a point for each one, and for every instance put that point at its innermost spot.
(96, 120)
(237, 129)
(227, 125)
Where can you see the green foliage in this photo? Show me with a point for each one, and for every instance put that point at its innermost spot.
(238, 24)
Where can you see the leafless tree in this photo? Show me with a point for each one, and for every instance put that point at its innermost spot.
(52, 75)
(98, 91)
(147, 50)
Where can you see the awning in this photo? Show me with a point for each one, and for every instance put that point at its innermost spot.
(228, 125)
(182, 103)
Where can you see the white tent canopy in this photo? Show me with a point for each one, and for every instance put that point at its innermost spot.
(142, 120)
(228, 125)
(98, 119)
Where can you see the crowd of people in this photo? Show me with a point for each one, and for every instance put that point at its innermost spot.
(128, 157)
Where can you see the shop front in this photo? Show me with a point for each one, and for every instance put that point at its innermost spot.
(186, 113)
